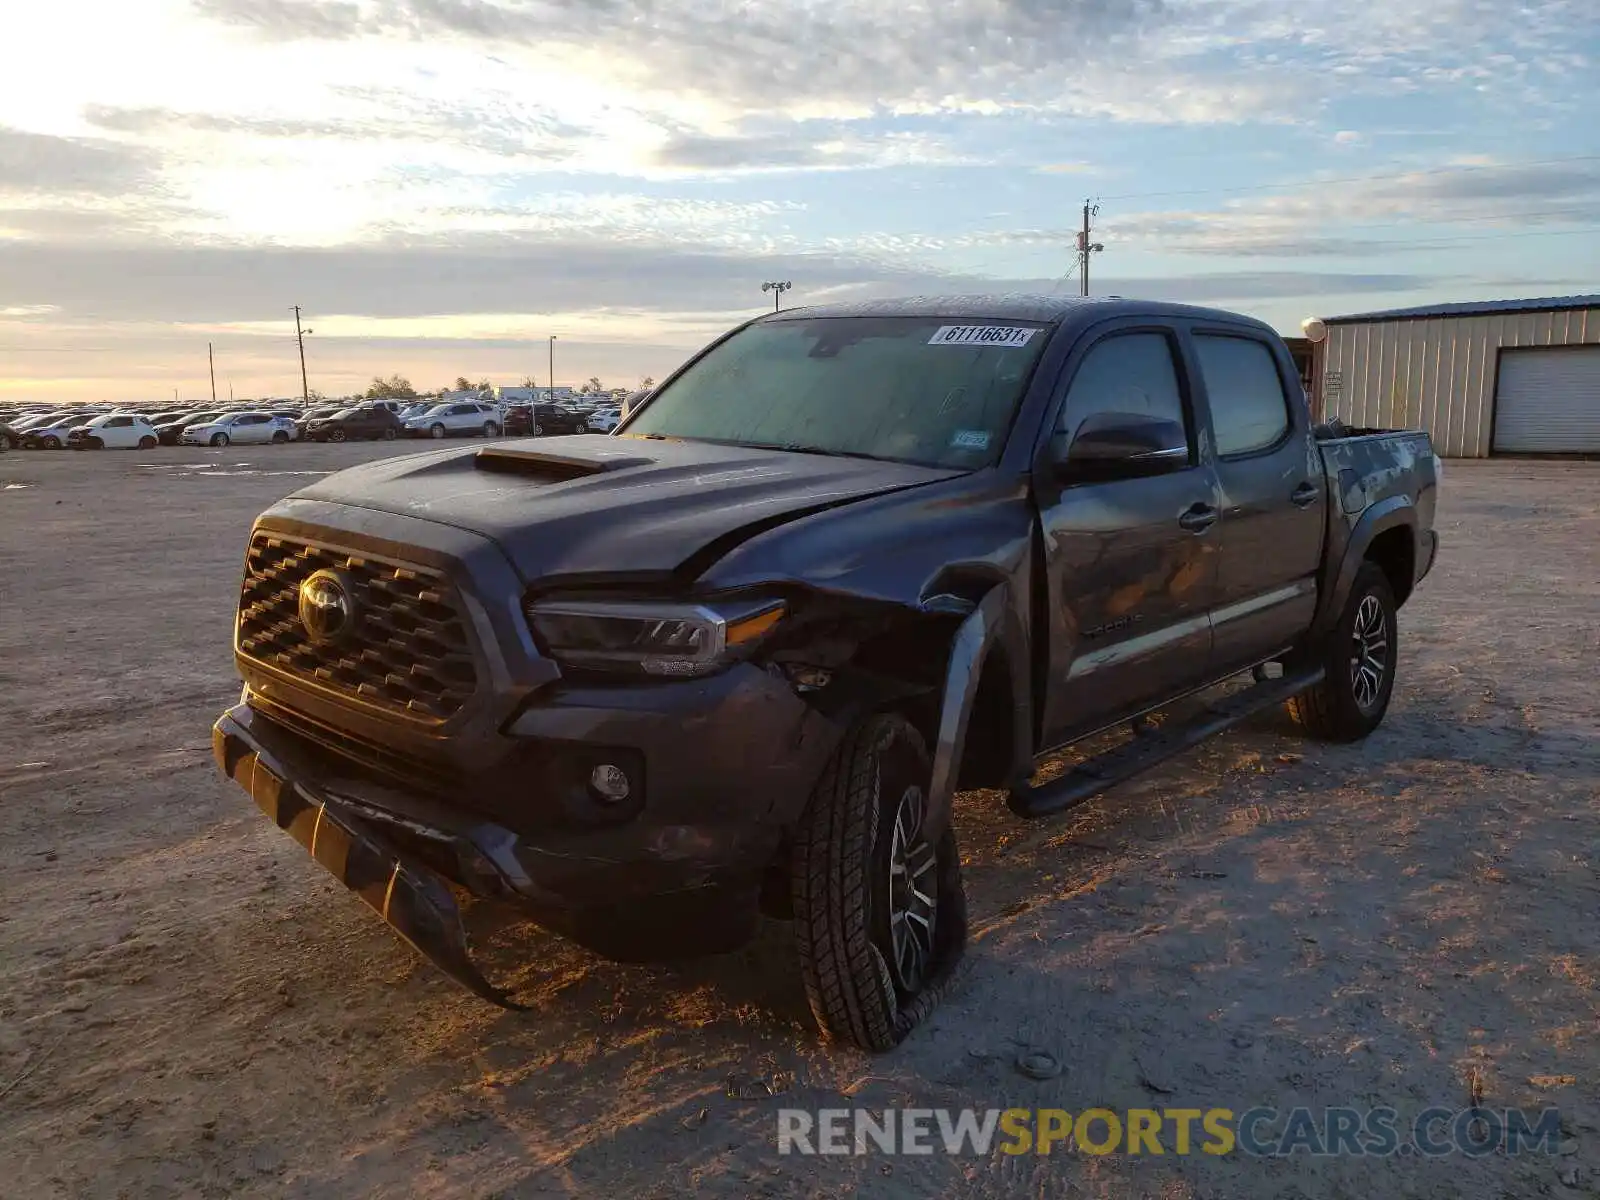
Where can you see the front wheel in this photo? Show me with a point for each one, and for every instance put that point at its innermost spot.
(336, 435)
(436, 431)
(388, 433)
(96, 443)
(279, 438)
(490, 429)
(583, 427)
(219, 439)
(1359, 656)
(147, 442)
(880, 915)
(51, 443)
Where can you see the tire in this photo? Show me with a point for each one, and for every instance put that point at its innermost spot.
(864, 985)
(336, 435)
(147, 442)
(95, 443)
(583, 427)
(388, 434)
(50, 443)
(436, 431)
(538, 429)
(1360, 657)
(490, 429)
(219, 439)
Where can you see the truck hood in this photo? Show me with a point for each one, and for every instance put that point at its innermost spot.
(614, 507)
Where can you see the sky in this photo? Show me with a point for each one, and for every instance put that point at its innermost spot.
(442, 185)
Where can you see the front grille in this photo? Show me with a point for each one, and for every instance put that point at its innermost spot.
(407, 649)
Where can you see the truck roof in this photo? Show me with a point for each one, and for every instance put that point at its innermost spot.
(1013, 306)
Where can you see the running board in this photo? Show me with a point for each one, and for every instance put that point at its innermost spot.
(1145, 750)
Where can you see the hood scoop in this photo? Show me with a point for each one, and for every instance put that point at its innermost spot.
(554, 467)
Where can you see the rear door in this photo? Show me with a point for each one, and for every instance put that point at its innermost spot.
(1273, 494)
(1128, 585)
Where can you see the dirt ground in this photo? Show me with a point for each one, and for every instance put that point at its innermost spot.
(190, 1007)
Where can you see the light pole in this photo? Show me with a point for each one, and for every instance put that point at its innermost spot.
(552, 395)
(777, 290)
(300, 336)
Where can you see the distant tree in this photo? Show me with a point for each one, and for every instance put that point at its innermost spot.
(647, 382)
(316, 397)
(462, 385)
(396, 387)
(529, 382)
(485, 388)
(593, 385)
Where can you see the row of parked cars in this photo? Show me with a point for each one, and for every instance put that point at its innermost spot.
(120, 429)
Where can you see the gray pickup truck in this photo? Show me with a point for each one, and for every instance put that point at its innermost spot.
(843, 563)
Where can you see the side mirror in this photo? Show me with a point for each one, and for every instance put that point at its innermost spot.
(1118, 445)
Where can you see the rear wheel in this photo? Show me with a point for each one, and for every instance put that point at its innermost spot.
(147, 442)
(50, 442)
(437, 431)
(490, 429)
(880, 915)
(538, 429)
(388, 433)
(219, 439)
(336, 435)
(279, 438)
(583, 427)
(1360, 658)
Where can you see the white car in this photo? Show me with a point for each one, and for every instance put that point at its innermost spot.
(243, 428)
(455, 420)
(114, 431)
(603, 420)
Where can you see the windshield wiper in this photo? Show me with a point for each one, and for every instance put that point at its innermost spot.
(799, 448)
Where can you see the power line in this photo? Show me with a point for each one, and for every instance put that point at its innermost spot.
(1267, 187)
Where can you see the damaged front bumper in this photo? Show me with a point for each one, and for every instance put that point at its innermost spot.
(415, 901)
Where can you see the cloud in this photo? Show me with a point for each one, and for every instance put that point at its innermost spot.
(40, 163)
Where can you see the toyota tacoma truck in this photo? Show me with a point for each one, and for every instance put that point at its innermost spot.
(739, 656)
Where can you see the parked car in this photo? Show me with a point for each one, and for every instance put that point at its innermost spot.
(363, 423)
(114, 431)
(170, 432)
(603, 420)
(922, 547)
(303, 422)
(8, 438)
(541, 419)
(51, 433)
(244, 428)
(455, 420)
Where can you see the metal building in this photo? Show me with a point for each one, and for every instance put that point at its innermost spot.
(1507, 377)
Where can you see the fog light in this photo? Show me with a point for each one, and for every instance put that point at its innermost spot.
(609, 782)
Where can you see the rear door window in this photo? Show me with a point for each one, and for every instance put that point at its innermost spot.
(1249, 408)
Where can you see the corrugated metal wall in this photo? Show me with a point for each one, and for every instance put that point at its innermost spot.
(1436, 373)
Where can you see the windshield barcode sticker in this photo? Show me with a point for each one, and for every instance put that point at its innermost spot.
(982, 335)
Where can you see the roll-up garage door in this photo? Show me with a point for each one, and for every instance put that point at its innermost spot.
(1548, 401)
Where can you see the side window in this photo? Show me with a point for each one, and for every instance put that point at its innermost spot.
(120, 423)
(1128, 373)
(1249, 410)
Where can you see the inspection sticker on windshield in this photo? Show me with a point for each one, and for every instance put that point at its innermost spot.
(982, 335)
(971, 439)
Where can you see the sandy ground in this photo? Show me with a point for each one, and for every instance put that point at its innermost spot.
(189, 1006)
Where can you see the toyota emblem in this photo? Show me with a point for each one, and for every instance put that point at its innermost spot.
(327, 609)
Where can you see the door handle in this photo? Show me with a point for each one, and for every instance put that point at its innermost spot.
(1199, 518)
(1305, 495)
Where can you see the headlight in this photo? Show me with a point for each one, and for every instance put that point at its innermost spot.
(667, 639)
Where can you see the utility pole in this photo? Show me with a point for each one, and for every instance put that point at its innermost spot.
(300, 336)
(552, 395)
(1086, 247)
(211, 361)
(777, 290)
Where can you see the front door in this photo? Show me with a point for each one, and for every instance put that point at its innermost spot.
(1273, 498)
(1130, 563)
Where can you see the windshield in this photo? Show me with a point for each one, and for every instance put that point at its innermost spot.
(344, 414)
(908, 389)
